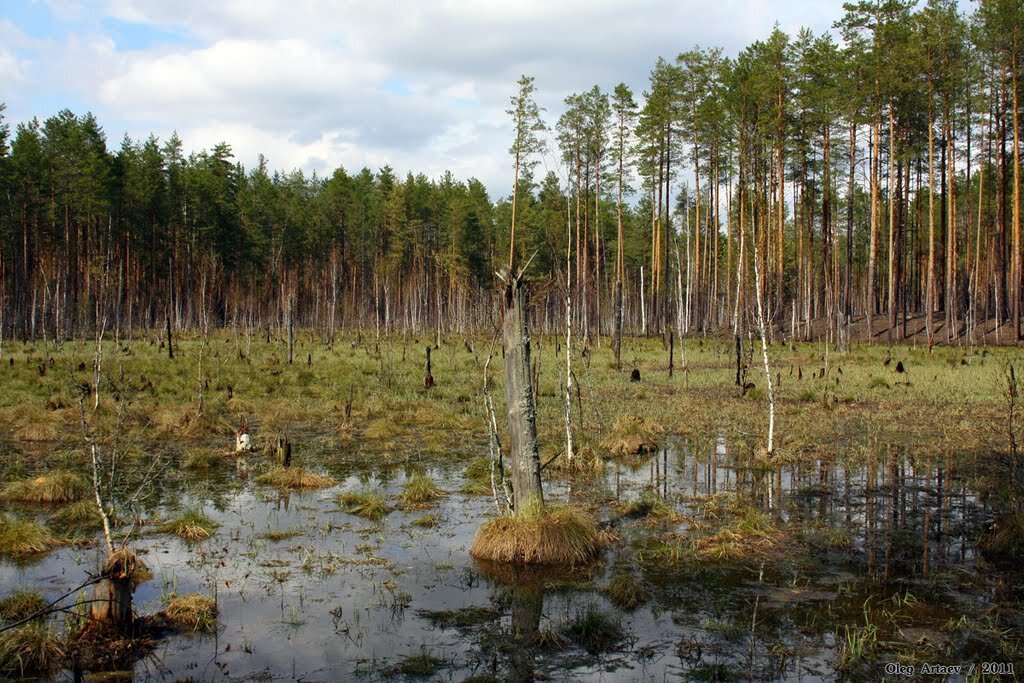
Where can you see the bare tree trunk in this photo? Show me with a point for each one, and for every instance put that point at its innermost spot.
(524, 454)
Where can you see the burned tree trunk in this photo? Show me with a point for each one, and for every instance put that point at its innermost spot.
(524, 455)
(428, 379)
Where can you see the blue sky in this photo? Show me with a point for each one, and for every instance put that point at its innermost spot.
(314, 84)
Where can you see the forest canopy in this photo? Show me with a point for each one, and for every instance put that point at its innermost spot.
(876, 169)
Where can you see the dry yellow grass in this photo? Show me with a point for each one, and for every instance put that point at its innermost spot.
(632, 436)
(295, 478)
(59, 486)
(539, 535)
(194, 612)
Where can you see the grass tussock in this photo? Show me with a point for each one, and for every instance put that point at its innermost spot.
(633, 436)
(295, 478)
(418, 491)
(419, 665)
(24, 537)
(59, 486)
(191, 525)
(427, 521)
(625, 592)
(594, 629)
(752, 536)
(650, 506)
(21, 604)
(539, 536)
(367, 504)
(477, 477)
(30, 649)
(195, 612)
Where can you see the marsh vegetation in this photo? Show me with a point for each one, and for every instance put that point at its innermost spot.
(879, 529)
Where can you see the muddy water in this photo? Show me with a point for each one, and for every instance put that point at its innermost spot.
(348, 598)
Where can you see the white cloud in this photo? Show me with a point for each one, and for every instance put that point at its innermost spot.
(320, 83)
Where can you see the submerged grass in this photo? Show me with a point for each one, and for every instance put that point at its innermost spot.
(59, 486)
(596, 630)
(625, 591)
(191, 525)
(539, 535)
(295, 478)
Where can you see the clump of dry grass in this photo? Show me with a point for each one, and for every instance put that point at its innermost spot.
(123, 563)
(427, 521)
(30, 423)
(418, 491)
(183, 422)
(633, 436)
(195, 612)
(21, 604)
(381, 429)
(59, 486)
(752, 536)
(30, 649)
(539, 535)
(191, 525)
(295, 478)
(24, 537)
(368, 504)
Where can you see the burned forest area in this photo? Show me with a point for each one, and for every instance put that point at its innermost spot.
(729, 386)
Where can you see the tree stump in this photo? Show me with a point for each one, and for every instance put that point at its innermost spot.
(283, 452)
(635, 375)
(428, 379)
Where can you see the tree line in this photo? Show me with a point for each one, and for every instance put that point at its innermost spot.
(873, 172)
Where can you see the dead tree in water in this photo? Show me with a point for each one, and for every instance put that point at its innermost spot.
(524, 454)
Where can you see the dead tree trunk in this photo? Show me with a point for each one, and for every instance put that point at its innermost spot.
(524, 455)
(170, 344)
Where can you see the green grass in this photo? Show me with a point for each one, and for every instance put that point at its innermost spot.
(30, 649)
(21, 604)
(191, 525)
(419, 490)
(594, 629)
(368, 504)
(24, 536)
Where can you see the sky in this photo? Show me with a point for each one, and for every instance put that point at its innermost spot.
(421, 85)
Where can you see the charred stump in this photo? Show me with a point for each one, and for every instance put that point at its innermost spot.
(428, 379)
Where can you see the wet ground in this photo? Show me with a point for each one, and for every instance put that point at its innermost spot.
(878, 555)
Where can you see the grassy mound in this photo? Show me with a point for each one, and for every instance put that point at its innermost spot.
(30, 649)
(418, 491)
(123, 563)
(191, 525)
(648, 505)
(201, 461)
(633, 436)
(59, 486)
(368, 504)
(295, 478)
(24, 537)
(21, 604)
(195, 612)
(539, 535)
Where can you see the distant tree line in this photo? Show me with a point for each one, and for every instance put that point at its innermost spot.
(878, 178)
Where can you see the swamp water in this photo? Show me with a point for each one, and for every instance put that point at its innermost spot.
(886, 564)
